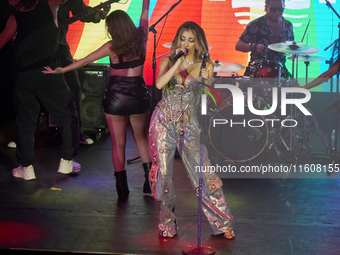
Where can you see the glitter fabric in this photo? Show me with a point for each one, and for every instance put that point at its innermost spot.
(174, 124)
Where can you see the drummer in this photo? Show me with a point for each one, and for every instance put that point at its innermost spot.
(268, 29)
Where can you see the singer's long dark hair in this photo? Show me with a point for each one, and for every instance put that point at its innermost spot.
(201, 44)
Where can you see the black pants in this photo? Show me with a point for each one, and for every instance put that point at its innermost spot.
(72, 80)
(52, 92)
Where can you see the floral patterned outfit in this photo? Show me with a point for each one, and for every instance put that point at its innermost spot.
(174, 124)
(258, 31)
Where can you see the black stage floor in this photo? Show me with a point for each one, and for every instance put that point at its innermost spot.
(80, 214)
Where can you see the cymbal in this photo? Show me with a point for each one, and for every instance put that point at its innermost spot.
(168, 45)
(309, 58)
(227, 67)
(292, 47)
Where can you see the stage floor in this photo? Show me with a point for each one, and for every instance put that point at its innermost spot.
(81, 213)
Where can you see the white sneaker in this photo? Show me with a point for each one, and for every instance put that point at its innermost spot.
(26, 173)
(86, 141)
(12, 145)
(68, 166)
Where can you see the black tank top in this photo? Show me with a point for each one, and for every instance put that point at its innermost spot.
(36, 42)
(128, 64)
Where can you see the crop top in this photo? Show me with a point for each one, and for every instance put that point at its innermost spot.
(128, 64)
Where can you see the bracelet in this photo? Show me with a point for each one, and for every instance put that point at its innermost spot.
(253, 47)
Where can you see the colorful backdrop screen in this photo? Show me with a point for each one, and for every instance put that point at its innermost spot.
(223, 22)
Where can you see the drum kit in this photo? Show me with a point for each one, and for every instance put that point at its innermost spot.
(251, 133)
(241, 143)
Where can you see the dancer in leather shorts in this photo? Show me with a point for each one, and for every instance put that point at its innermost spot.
(174, 125)
(127, 95)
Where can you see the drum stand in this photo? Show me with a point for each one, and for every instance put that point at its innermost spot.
(273, 135)
(304, 132)
(294, 134)
(292, 131)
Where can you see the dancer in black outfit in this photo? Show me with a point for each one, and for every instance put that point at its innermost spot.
(6, 69)
(34, 29)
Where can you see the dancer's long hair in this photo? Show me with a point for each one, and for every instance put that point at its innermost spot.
(127, 40)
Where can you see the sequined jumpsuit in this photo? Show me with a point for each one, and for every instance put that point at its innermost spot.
(174, 124)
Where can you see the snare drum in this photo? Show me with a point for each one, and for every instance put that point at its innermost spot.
(265, 69)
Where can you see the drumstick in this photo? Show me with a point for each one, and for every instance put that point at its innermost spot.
(303, 37)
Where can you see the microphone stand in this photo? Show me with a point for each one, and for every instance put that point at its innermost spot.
(200, 249)
(335, 41)
(154, 63)
(154, 97)
(330, 6)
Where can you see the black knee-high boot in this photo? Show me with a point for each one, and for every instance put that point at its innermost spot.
(147, 186)
(122, 185)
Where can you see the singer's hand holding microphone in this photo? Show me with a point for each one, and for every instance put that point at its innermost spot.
(180, 53)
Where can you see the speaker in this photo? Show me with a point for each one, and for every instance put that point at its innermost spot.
(94, 79)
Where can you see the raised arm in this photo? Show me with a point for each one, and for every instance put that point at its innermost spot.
(144, 17)
(98, 54)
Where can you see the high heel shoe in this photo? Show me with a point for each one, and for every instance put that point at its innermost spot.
(122, 185)
(147, 186)
(229, 235)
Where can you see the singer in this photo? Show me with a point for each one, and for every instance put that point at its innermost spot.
(174, 124)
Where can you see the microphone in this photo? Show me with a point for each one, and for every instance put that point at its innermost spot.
(204, 62)
(203, 56)
(180, 54)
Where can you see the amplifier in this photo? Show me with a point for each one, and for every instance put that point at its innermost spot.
(94, 79)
